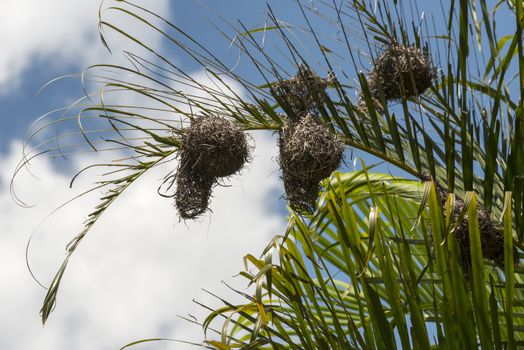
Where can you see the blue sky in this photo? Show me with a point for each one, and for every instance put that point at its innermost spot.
(18, 100)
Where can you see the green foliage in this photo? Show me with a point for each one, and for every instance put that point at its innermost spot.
(364, 272)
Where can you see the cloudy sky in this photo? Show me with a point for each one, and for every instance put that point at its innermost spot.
(140, 268)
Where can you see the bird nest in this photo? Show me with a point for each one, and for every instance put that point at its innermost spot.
(491, 234)
(212, 147)
(491, 238)
(302, 94)
(401, 72)
(309, 152)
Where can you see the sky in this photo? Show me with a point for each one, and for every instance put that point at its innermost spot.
(140, 268)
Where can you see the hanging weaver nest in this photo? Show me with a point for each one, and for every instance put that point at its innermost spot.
(212, 147)
(309, 152)
(401, 72)
(302, 94)
(491, 234)
(491, 238)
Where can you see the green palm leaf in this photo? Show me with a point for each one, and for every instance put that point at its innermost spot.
(350, 277)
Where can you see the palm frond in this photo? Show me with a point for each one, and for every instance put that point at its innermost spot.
(359, 274)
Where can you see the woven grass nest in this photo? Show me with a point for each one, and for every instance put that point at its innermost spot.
(302, 94)
(401, 72)
(212, 148)
(309, 153)
(491, 238)
(491, 233)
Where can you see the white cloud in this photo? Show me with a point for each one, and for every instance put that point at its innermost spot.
(58, 32)
(139, 267)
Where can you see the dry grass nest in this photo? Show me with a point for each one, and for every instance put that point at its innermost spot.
(401, 72)
(491, 234)
(302, 94)
(309, 152)
(491, 238)
(212, 147)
